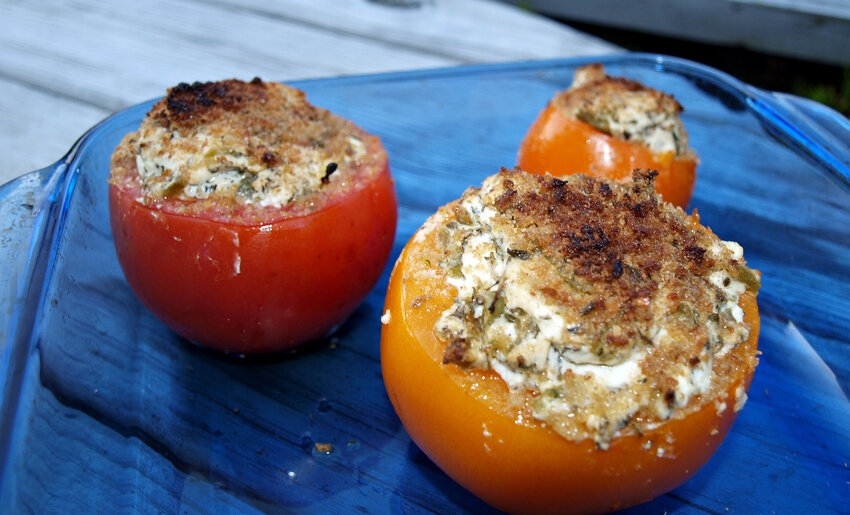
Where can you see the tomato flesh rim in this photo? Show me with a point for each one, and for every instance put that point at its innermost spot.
(369, 211)
(561, 145)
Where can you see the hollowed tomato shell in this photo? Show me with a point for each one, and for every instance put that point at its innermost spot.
(263, 287)
(560, 145)
(468, 424)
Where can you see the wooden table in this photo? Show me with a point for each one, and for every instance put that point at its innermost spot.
(67, 65)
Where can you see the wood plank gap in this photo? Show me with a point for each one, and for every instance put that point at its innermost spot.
(58, 93)
(334, 29)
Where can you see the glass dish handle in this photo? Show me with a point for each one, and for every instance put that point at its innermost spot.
(25, 210)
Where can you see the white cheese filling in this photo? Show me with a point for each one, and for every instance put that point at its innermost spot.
(530, 344)
(655, 129)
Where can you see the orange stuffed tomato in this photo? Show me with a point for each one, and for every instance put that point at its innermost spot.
(606, 127)
(551, 357)
(248, 220)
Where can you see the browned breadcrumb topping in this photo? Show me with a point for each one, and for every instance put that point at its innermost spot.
(626, 109)
(188, 105)
(240, 143)
(615, 308)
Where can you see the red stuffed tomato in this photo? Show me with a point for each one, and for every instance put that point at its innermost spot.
(490, 431)
(606, 127)
(248, 220)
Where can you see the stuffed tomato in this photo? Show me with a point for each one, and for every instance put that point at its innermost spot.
(248, 220)
(608, 126)
(568, 346)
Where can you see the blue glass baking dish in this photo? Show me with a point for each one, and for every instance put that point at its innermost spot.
(104, 409)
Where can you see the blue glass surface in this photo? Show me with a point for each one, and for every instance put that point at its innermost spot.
(104, 409)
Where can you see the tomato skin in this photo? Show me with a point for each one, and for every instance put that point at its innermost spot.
(256, 288)
(561, 145)
(463, 419)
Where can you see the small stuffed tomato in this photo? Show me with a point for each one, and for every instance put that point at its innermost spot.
(608, 126)
(248, 220)
(551, 360)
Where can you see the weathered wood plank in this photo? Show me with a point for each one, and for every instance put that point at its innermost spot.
(38, 127)
(469, 31)
(65, 65)
(130, 51)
